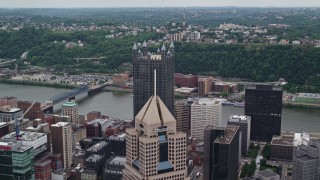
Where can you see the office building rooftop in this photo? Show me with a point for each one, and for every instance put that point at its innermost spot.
(283, 140)
(229, 133)
(209, 101)
(23, 136)
(60, 124)
(13, 146)
(9, 109)
(239, 118)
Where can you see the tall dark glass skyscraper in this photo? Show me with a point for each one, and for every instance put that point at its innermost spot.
(264, 105)
(221, 153)
(144, 64)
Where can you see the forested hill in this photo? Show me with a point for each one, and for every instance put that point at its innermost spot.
(257, 62)
(299, 65)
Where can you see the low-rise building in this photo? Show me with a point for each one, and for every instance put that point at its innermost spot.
(282, 148)
(267, 175)
(182, 80)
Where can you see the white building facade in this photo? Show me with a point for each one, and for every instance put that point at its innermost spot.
(206, 111)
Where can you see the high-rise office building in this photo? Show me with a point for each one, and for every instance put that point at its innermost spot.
(264, 105)
(62, 142)
(154, 149)
(71, 109)
(204, 86)
(144, 64)
(205, 111)
(182, 114)
(16, 161)
(244, 123)
(305, 164)
(221, 153)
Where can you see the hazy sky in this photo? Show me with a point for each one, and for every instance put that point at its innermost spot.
(148, 3)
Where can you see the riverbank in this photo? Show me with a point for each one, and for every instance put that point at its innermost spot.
(301, 105)
(34, 83)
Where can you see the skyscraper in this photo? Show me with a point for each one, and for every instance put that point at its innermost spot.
(144, 64)
(154, 149)
(71, 109)
(221, 153)
(264, 105)
(244, 123)
(206, 111)
(62, 142)
(182, 114)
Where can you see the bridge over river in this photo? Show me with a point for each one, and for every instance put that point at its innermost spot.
(69, 95)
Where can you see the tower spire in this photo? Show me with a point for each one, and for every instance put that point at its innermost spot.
(155, 82)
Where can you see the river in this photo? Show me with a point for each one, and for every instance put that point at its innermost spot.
(120, 106)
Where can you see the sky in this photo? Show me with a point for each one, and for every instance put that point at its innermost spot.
(153, 3)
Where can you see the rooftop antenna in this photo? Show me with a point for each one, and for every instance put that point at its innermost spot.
(155, 82)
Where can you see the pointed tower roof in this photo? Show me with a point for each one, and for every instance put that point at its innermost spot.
(139, 51)
(144, 44)
(163, 47)
(171, 45)
(169, 52)
(155, 114)
(158, 50)
(134, 47)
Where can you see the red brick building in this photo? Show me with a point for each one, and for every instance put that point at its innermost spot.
(9, 101)
(42, 169)
(34, 113)
(93, 115)
(182, 80)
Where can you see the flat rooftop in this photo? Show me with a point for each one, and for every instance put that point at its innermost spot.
(267, 173)
(282, 140)
(264, 87)
(60, 124)
(9, 109)
(229, 133)
(239, 118)
(210, 101)
(15, 146)
(24, 136)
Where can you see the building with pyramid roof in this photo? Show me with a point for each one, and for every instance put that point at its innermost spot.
(154, 149)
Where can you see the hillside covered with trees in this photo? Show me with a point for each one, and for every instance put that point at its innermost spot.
(299, 65)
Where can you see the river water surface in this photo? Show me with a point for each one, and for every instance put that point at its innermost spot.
(120, 106)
